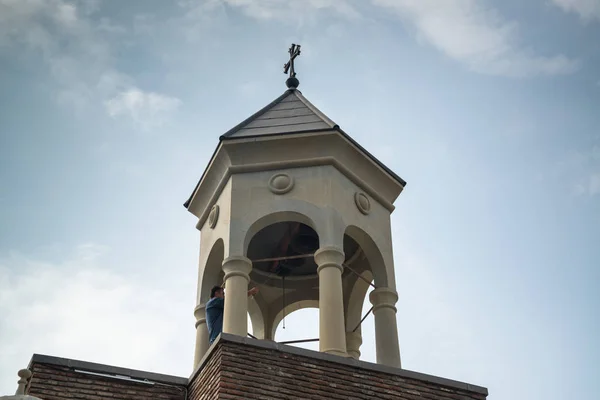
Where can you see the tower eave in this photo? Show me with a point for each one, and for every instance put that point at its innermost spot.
(298, 150)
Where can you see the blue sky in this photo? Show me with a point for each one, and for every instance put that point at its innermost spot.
(489, 110)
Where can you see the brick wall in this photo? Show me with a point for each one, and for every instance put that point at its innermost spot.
(207, 383)
(237, 368)
(241, 368)
(56, 382)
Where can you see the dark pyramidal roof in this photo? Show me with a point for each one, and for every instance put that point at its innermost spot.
(290, 113)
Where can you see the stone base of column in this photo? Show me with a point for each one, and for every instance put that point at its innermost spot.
(335, 352)
(353, 342)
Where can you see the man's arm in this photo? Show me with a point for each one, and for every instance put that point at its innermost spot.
(220, 303)
(252, 291)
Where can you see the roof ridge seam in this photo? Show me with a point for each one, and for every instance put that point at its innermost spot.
(314, 109)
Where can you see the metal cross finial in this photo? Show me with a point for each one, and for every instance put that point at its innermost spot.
(289, 66)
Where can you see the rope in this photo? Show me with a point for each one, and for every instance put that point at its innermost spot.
(362, 320)
(283, 296)
(359, 275)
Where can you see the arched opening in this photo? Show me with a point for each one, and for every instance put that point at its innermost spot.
(284, 249)
(282, 253)
(251, 327)
(213, 273)
(300, 324)
(281, 318)
(256, 319)
(283, 268)
(366, 271)
(367, 327)
(276, 218)
(372, 253)
(357, 298)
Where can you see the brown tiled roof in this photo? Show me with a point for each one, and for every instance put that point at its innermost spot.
(58, 378)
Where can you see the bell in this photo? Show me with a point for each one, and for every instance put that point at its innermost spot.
(305, 241)
(283, 269)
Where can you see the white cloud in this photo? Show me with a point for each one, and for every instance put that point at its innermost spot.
(477, 36)
(465, 30)
(284, 9)
(68, 42)
(147, 109)
(586, 9)
(299, 12)
(81, 308)
(66, 14)
(78, 49)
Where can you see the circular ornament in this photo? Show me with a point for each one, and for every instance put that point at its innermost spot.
(362, 203)
(213, 216)
(281, 183)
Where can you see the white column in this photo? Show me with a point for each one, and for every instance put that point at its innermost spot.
(201, 334)
(235, 318)
(353, 343)
(386, 329)
(332, 332)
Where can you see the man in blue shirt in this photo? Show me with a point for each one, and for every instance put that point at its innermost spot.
(214, 311)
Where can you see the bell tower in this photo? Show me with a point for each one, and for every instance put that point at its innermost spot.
(291, 204)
